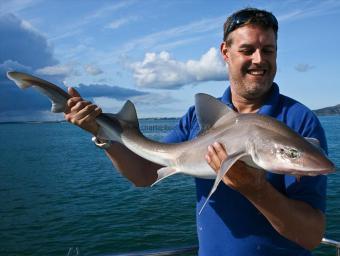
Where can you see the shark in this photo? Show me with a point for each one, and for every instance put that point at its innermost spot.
(260, 141)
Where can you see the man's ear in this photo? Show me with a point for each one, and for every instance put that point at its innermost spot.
(224, 51)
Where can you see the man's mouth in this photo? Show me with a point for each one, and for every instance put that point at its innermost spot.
(256, 72)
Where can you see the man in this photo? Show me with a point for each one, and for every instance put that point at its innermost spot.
(254, 212)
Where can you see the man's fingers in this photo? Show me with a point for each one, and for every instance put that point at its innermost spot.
(88, 118)
(84, 111)
(216, 155)
(90, 112)
(220, 151)
(79, 105)
(210, 162)
(71, 102)
(73, 92)
(215, 162)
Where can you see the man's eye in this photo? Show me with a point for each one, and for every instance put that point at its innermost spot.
(268, 51)
(247, 52)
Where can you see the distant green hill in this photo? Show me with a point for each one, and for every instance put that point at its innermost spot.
(329, 111)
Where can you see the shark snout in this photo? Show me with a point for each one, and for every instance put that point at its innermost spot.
(319, 164)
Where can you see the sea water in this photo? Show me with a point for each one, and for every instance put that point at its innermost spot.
(58, 191)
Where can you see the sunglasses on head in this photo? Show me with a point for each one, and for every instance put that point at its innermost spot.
(245, 16)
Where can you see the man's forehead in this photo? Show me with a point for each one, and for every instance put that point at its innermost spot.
(250, 34)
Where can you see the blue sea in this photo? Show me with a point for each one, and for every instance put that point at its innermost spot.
(58, 191)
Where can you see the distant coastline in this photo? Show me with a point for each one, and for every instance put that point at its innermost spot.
(63, 121)
(328, 111)
(32, 122)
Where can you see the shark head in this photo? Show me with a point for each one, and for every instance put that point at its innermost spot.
(291, 155)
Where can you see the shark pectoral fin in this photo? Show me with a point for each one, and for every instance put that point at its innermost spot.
(225, 166)
(164, 173)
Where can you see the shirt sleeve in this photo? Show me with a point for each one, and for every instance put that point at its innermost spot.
(310, 189)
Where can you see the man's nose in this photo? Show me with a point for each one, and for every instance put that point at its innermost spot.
(257, 56)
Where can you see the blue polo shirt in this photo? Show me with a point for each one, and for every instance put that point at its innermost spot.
(230, 224)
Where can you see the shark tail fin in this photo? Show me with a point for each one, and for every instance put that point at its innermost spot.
(56, 95)
(16, 78)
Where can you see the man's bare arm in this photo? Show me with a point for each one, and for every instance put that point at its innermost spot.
(293, 219)
(139, 171)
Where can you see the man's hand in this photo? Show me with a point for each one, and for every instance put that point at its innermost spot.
(82, 113)
(240, 176)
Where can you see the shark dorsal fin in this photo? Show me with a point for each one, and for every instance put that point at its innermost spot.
(128, 114)
(126, 117)
(209, 110)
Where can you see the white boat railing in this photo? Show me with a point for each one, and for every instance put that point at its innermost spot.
(161, 252)
(334, 243)
(194, 249)
(186, 250)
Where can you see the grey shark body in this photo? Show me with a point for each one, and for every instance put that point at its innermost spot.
(259, 141)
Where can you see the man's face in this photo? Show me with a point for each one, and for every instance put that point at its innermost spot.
(251, 59)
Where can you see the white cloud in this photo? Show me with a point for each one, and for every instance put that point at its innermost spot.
(120, 22)
(14, 6)
(162, 72)
(153, 99)
(144, 104)
(303, 67)
(176, 43)
(31, 50)
(28, 26)
(10, 65)
(92, 70)
(98, 14)
(310, 9)
(184, 32)
(58, 70)
(108, 9)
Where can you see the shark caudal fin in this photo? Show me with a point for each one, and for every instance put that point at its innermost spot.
(57, 96)
(19, 79)
(210, 111)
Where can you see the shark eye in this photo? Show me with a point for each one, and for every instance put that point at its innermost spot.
(290, 153)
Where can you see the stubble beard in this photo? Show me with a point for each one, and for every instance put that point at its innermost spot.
(251, 90)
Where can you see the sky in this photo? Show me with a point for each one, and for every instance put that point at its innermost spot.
(158, 54)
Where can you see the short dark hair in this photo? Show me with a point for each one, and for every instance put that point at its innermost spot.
(247, 16)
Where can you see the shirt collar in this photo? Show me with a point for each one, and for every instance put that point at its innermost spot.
(268, 108)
